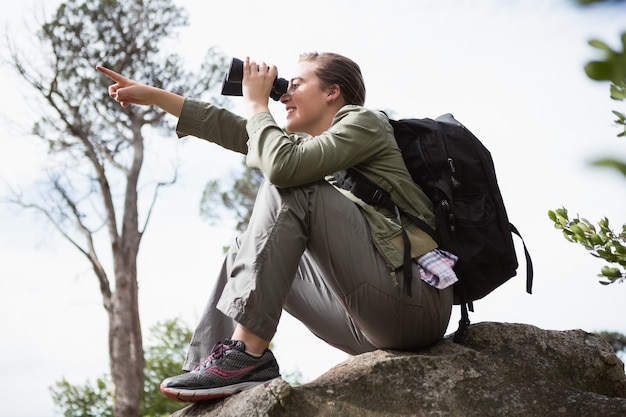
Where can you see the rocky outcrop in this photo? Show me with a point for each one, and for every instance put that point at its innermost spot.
(500, 370)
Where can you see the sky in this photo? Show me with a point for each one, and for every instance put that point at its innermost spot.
(511, 71)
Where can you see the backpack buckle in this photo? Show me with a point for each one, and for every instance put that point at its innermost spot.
(379, 198)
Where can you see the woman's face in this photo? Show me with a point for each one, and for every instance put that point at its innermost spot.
(307, 102)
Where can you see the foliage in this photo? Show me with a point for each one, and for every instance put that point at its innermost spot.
(613, 69)
(168, 343)
(294, 378)
(592, 2)
(89, 400)
(601, 240)
(616, 340)
(238, 198)
(166, 351)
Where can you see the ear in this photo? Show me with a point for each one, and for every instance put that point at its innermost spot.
(333, 93)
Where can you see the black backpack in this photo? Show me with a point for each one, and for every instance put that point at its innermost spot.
(457, 173)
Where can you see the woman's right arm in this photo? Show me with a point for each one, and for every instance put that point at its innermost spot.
(126, 92)
(199, 119)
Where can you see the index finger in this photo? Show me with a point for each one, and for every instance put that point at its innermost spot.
(110, 73)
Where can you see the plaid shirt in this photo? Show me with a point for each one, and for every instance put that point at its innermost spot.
(436, 268)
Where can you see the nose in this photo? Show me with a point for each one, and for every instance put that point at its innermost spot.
(285, 97)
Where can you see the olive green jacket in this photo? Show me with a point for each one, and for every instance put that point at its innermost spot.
(358, 138)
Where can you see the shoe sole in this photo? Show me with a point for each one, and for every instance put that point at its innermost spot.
(197, 395)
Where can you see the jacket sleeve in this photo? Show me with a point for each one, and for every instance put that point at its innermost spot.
(213, 123)
(356, 134)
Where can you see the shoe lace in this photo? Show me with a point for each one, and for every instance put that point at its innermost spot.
(216, 353)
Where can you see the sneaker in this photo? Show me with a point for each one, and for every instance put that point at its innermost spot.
(227, 371)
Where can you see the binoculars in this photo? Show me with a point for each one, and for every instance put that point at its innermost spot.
(231, 85)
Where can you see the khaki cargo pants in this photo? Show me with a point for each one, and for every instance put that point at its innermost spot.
(308, 250)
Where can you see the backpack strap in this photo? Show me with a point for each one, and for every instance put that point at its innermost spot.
(407, 267)
(363, 188)
(464, 322)
(359, 185)
(529, 262)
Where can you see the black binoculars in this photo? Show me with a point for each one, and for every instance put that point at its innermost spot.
(232, 82)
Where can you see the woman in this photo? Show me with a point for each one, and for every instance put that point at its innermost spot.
(312, 249)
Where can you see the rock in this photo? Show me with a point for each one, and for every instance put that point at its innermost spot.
(500, 370)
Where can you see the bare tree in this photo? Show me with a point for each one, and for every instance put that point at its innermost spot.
(94, 190)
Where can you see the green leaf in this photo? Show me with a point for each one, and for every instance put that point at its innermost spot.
(611, 163)
(611, 272)
(599, 71)
(576, 229)
(600, 45)
(617, 93)
(596, 239)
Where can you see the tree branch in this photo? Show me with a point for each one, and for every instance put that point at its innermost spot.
(154, 199)
(89, 252)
